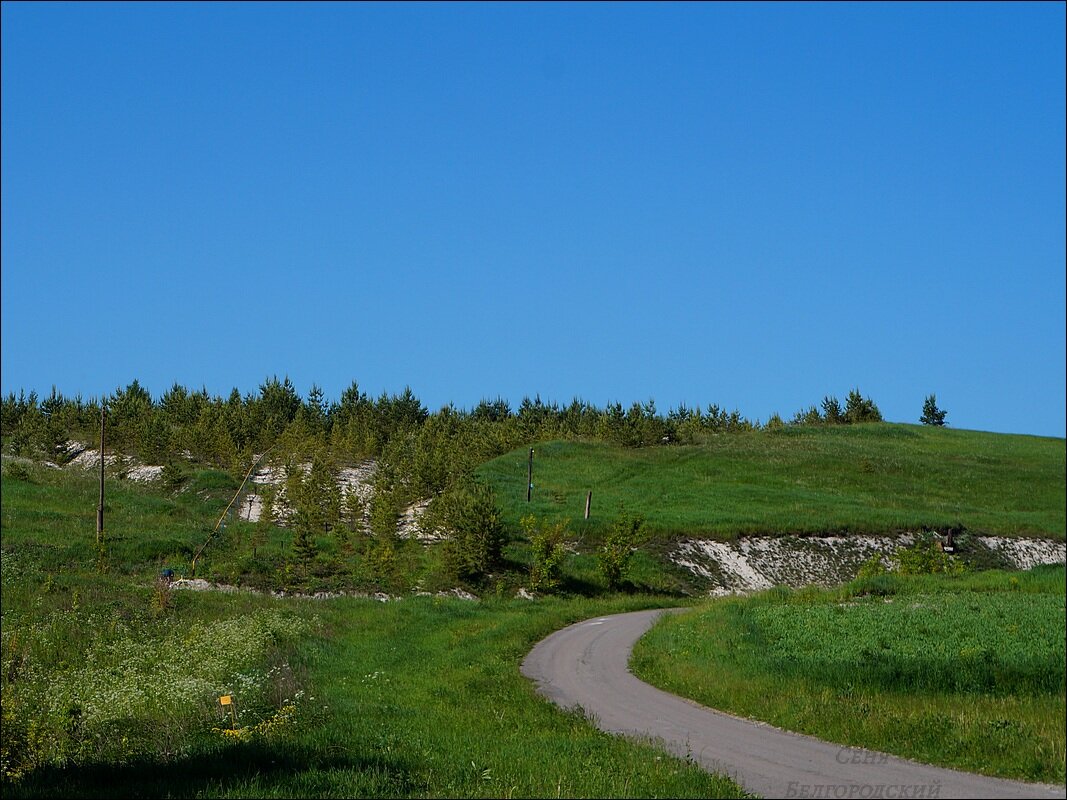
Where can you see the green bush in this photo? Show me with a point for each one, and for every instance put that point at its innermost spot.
(16, 471)
(173, 476)
(872, 567)
(925, 557)
(549, 543)
(615, 554)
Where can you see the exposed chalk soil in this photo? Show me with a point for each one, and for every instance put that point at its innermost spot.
(744, 565)
(357, 481)
(760, 562)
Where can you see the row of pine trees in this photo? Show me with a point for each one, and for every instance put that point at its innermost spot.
(419, 452)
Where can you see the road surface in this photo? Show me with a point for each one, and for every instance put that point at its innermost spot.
(585, 665)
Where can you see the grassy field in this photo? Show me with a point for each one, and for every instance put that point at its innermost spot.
(873, 478)
(965, 672)
(151, 527)
(110, 680)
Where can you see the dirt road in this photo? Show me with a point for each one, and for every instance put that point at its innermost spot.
(586, 665)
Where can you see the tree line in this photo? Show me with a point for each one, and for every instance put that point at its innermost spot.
(419, 454)
(397, 429)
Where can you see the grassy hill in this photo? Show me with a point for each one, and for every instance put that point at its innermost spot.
(110, 679)
(873, 478)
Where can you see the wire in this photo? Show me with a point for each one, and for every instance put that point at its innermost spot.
(227, 511)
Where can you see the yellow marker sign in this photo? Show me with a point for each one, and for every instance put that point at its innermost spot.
(225, 700)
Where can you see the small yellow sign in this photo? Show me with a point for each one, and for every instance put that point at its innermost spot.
(225, 700)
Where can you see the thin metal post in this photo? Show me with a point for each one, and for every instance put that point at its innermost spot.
(529, 477)
(100, 507)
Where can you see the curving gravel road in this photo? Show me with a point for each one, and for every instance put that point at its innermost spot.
(585, 665)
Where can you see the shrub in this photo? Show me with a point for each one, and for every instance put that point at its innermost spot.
(549, 544)
(172, 475)
(16, 471)
(871, 567)
(24, 745)
(924, 557)
(135, 692)
(615, 554)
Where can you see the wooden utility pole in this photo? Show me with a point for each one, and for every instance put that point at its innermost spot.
(100, 507)
(529, 477)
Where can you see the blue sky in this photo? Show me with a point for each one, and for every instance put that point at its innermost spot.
(748, 205)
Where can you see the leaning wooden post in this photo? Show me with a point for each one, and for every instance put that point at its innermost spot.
(588, 502)
(100, 507)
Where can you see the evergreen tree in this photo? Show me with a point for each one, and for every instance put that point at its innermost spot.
(304, 547)
(384, 511)
(774, 423)
(861, 409)
(127, 415)
(315, 411)
(176, 406)
(809, 416)
(492, 411)
(277, 406)
(475, 531)
(932, 415)
(831, 410)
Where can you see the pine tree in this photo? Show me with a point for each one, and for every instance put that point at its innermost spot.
(831, 409)
(932, 415)
(861, 409)
(475, 543)
(304, 547)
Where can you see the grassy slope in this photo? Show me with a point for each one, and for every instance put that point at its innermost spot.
(866, 478)
(965, 672)
(454, 702)
(420, 697)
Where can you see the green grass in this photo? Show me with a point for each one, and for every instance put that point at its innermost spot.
(412, 698)
(54, 513)
(110, 682)
(965, 672)
(875, 478)
(149, 528)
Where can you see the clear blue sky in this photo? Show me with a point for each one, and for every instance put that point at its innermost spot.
(749, 205)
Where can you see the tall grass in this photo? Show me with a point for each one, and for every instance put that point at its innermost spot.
(873, 478)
